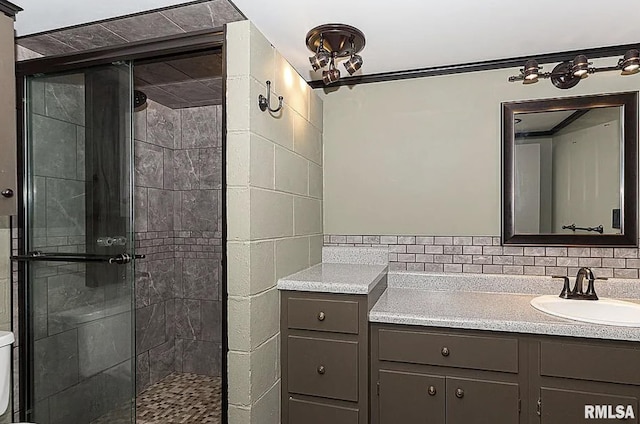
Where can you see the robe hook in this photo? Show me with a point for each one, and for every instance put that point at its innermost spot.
(265, 102)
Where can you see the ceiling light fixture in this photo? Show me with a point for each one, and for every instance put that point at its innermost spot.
(569, 73)
(331, 42)
(321, 58)
(332, 75)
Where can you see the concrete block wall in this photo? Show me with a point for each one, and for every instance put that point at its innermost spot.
(274, 210)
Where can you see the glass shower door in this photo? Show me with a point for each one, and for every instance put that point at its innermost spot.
(78, 262)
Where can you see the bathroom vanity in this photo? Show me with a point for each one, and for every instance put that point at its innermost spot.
(447, 349)
(523, 367)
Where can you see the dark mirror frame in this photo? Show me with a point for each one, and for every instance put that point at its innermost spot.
(629, 237)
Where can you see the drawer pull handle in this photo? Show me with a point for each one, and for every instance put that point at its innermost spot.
(459, 393)
(432, 391)
(321, 370)
(321, 316)
(445, 351)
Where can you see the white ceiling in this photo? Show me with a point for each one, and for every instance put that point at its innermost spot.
(411, 34)
(401, 34)
(45, 15)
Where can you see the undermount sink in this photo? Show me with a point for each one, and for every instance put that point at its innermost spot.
(602, 311)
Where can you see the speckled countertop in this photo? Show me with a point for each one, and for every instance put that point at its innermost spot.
(335, 278)
(406, 302)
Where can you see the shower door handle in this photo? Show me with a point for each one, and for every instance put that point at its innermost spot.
(124, 258)
(120, 259)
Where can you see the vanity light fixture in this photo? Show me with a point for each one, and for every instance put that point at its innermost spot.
(531, 71)
(331, 42)
(580, 67)
(569, 73)
(630, 63)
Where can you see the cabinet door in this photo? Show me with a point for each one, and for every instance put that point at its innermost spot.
(560, 406)
(410, 398)
(472, 401)
(7, 118)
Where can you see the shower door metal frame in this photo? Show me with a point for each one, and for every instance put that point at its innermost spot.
(192, 43)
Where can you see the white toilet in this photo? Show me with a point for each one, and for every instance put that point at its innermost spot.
(6, 340)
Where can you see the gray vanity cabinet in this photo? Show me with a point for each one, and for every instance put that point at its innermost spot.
(424, 375)
(325, 367)
(7, 110)
(429, 376)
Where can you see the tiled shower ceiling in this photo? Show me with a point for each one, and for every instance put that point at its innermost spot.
(146, 26)
(183, 82)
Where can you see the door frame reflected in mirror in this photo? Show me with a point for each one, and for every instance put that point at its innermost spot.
(629, 202)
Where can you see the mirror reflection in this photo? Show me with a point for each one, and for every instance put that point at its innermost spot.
(568, 167)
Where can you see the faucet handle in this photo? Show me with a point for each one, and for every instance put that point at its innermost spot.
(591, 291)
(566, 289)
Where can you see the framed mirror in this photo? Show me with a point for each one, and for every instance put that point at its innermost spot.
(570, 171)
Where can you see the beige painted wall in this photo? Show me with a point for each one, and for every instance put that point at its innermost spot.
(422, 156)
(274, 210)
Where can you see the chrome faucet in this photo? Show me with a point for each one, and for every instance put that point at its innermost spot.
(578, 288)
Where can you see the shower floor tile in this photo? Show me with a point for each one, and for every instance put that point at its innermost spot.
(181, 398)
(177, 399)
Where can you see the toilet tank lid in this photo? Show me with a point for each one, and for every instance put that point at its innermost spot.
(6, 338)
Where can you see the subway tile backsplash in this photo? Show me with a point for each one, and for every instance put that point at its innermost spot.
(484, 254)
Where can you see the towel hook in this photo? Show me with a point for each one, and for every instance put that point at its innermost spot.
(265, 102)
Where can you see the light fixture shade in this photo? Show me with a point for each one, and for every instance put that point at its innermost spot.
(530, 72)
(353, 64)
(319, 60)
(332, 75)
(631, 62)
(580, 66)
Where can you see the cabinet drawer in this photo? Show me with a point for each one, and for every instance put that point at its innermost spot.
(321, 367)
(306, 412)
(476, 352)
(336, 316)
(571, 360)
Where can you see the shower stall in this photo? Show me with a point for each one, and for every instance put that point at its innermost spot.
(120, 241)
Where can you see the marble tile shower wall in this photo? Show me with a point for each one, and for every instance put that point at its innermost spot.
(475, 254)
(65, 351)
(178, 226)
